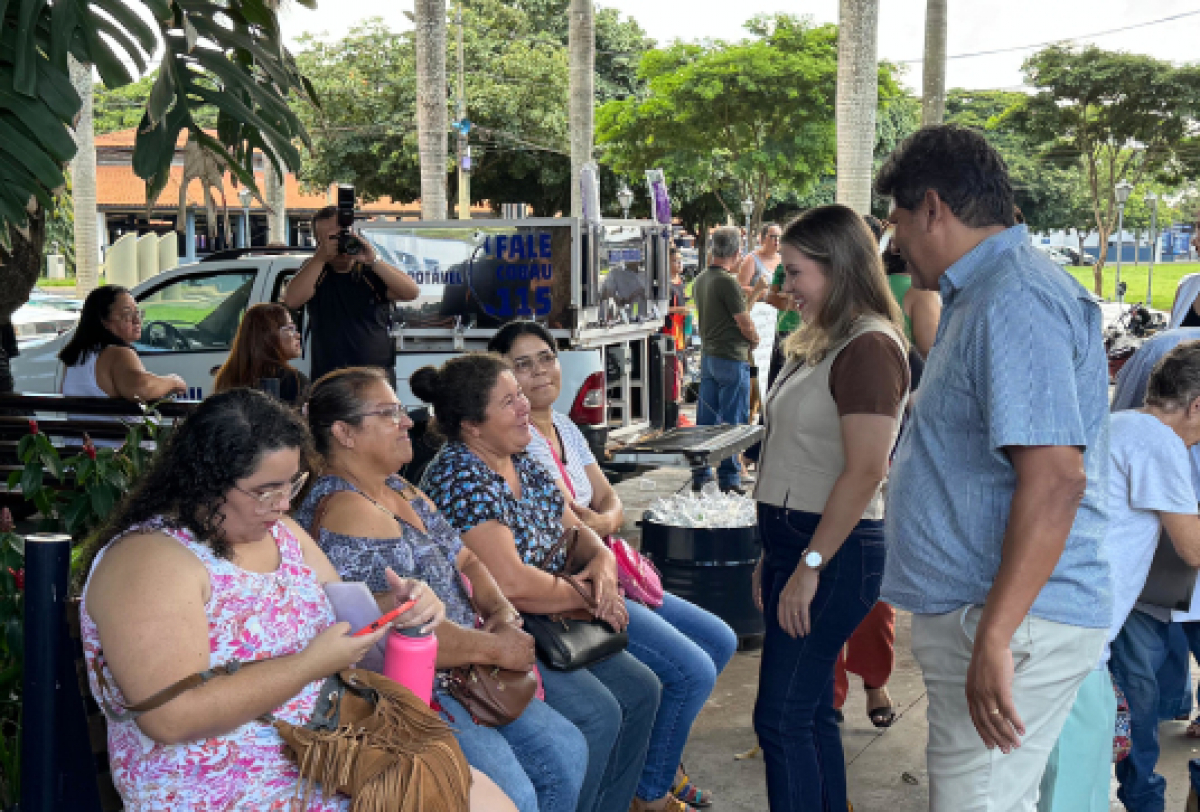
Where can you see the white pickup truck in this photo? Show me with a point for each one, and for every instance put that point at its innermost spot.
(617, 366)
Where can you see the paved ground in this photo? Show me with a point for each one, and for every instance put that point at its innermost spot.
(886, 769)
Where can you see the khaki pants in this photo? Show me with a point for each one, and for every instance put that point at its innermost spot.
(1050, 661)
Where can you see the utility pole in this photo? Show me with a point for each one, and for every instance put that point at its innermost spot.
(464, 150)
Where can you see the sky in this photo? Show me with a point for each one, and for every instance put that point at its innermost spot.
(973, 27)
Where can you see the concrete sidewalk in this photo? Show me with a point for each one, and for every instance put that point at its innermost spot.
(885, 769)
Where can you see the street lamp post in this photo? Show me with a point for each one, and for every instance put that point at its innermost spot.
(244, 232)
(625, 198)
(1122, 191)
(747, 210)
(1152, 201)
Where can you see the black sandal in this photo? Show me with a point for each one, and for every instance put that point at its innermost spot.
(883, 717)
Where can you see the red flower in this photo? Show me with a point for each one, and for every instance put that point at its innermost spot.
(6, 520)
(33, 427)
(19, 576)
(88, 447)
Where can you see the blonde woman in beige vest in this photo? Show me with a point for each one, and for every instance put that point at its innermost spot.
(831, 420)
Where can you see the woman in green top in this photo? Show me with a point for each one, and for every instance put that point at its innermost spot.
(922, 308)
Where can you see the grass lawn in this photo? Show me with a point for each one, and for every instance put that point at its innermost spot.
(1166, 278)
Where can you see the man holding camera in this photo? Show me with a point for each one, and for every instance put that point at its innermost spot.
(349, 292)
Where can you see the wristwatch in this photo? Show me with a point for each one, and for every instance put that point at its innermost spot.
(813, 560)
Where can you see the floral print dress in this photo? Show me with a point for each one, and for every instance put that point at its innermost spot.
(251, 616)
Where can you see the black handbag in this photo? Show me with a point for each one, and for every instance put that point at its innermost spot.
(567, 641)
(1171, 580)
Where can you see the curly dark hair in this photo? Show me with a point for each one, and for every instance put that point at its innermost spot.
(460, 390)
(959, 164)
(203, 458)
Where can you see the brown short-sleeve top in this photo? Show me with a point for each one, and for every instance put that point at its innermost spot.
(869, 376)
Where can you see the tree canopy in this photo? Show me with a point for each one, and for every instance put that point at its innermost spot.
(753, 118)
(516, 80)
(1118, 115)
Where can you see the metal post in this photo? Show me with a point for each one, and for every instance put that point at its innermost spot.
(190, 236)
(1120, 233)
(1153, 252)
(464, 151)
(47, 566)
(244, 229)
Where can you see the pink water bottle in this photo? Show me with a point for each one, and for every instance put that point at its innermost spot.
(409, 659)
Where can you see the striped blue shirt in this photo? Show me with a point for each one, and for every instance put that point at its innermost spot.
(1019, 361)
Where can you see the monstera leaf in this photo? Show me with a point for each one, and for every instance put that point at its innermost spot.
(224, 53)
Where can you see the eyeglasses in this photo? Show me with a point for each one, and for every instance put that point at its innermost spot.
(136, 315)
(529, 364)
(290, 329)
(395, 411)
(268, 499)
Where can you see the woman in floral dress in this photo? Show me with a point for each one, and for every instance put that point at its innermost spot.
(199, 567)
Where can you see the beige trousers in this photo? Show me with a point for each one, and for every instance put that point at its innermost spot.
(1050, 660)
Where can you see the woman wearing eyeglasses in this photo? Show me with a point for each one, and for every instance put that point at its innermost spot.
(99, 359)
(266, 342)
(367, 519)
(200, 567)
(685, 646)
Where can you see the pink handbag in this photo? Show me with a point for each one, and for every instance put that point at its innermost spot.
(636, 576)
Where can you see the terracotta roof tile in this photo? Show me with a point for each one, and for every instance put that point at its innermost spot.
(117, 187)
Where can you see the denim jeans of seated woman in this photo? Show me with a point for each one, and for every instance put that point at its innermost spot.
(613, 703)
(1138, 653)
(535, 758)
(686, 647)
(794, 715)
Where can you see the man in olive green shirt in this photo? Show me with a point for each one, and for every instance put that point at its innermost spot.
(727, 337)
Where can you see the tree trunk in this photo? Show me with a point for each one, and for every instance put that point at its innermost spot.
(19, 270)
(933, 74)
(581, 44)
(432, 120)
(83, 186)
(1101, 259)
(857, 98)
(275, 192)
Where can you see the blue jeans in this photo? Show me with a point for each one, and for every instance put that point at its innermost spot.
(724, 398)
(613, 703)
(794, 716)
(686, 647)
(534, 759)
(1137, 654)
(1174, 677)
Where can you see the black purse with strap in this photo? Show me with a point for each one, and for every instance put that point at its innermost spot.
(568, 641)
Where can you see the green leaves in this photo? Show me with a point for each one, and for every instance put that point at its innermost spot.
(227, 55)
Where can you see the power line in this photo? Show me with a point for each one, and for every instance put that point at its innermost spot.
(1179, 16)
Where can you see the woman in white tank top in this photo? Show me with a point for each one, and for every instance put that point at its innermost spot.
(99, 361)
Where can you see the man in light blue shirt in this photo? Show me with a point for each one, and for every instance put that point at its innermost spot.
(995, 515)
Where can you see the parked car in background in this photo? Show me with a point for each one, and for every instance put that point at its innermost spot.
(36, 324)
(1056, 255)
(1076, 257)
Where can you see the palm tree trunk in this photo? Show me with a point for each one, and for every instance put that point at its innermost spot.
(933, 79)
(581, 43)
(83, 186)
(275, 192)
(432, 121)
(857, 98)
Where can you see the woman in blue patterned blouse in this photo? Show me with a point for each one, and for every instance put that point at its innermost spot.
(366, 519)
(511, 513)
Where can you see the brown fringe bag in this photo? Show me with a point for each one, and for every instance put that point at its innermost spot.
(369, 738)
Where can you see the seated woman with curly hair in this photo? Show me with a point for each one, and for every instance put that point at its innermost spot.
(198, 567)
(266, 342)
(367, 519)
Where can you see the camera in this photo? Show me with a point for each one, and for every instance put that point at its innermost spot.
(347, 241)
